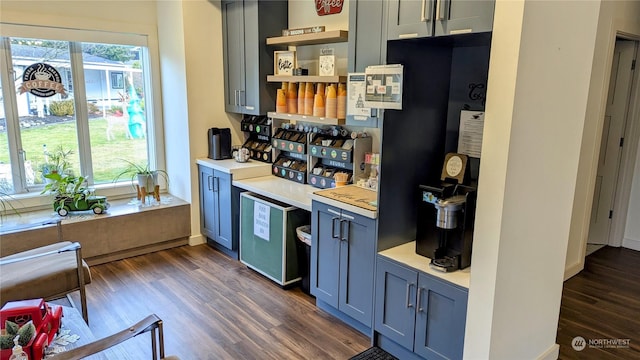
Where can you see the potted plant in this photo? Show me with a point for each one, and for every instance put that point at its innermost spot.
(143, 179)
(72, 194)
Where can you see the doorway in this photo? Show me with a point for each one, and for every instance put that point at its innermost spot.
(607, 221)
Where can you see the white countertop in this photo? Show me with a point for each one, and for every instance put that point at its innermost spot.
(286, 191)
(406, 254)
(255, 176)
(293, 193)
(246, 170)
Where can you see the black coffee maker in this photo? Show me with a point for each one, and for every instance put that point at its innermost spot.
(446, 213)
(219, 143)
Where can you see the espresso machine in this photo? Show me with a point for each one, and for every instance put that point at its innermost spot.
(446, 213)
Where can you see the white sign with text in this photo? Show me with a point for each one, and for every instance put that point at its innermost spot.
(261, 214)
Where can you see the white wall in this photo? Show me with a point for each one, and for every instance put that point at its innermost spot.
(536, 106)
(118, 16)
(615, 17)
(175, 109)
(191, 50)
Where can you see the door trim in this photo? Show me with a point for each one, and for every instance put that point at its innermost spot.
(628, 157)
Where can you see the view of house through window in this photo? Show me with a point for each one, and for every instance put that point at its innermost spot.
(95, 121)
(114, 84)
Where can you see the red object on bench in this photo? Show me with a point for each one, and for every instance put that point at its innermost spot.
(46, 320)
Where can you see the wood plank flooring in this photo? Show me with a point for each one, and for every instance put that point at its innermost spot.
(602, 302)
(213, 307)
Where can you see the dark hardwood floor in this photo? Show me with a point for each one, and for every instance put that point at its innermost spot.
(602, 302)
(213, 307)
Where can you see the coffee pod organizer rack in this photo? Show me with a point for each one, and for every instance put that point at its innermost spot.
(258, 130)
(290, 147)
(320, 155)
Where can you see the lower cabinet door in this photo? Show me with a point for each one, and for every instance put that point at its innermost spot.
(325, 254)
(224, 216)
(395, 303)
(357, 263)
(440, 319)
(208, 214)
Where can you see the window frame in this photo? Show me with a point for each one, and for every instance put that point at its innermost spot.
(29, 196)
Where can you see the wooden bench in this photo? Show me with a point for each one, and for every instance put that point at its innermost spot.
(125, 230)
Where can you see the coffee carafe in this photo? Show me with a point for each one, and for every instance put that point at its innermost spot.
(446, 213)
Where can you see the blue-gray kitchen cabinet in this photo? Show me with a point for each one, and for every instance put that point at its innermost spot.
(343, 251)
(423, 18)
(367, 46)
(219, 208)
(245, 26)
(419, 312)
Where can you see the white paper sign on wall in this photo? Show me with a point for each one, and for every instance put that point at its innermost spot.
(261, 214)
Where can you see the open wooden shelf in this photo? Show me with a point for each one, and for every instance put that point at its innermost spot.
(325, 37)
(306, 118)
(307, 78)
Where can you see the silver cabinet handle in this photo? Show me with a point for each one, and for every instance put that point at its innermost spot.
(423, 17)
(209, 182)
(343, 236)
(333, 228)
(240, 93)
(418, 302)
(215, 182)
(438, 16)
(409, 304)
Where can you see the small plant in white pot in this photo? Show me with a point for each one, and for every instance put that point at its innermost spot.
(144, 180)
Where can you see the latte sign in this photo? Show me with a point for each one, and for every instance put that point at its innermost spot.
(42, 80)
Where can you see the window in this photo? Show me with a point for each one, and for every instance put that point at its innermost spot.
(6, 178)
(117, 80)
(85, 99)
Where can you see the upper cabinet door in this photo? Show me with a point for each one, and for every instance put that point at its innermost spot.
(410, 19)
(233, 50)
(463, 16)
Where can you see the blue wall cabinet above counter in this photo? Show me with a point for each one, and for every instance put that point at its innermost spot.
(425, 316)
(421, 18)
(343, 251)
(367, 45)
(247, 60)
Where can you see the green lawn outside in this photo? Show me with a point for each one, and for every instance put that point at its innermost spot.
(106, 155)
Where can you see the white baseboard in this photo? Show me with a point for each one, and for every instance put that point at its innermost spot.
(632, 244)
(572, 270)
(551, 354)
(196, 240)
